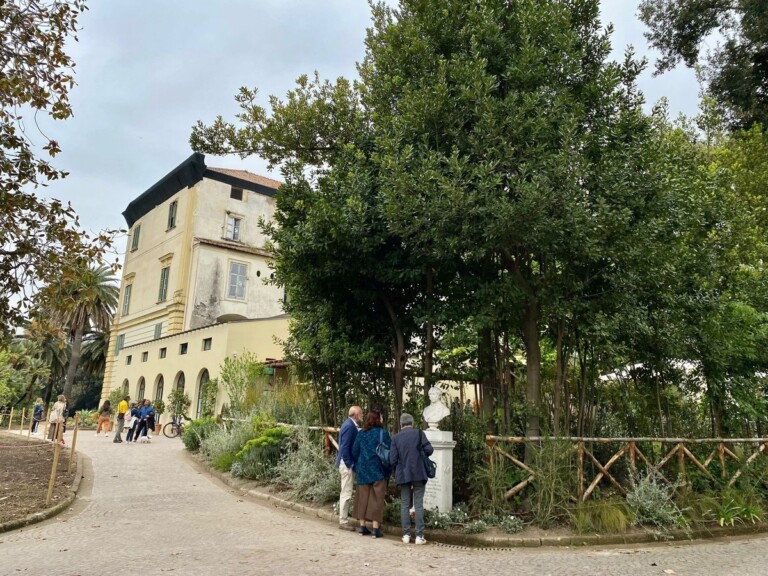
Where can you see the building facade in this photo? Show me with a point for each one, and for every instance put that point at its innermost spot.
(195, 286)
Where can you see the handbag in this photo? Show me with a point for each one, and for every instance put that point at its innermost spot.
(382, 451)
(430, 467)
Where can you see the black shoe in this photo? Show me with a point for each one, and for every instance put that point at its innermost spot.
(117, 441)
(364, 531)
(377, 533)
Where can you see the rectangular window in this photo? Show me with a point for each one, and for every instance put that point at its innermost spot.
(163, 293)
(233, 228)
(158, 330)
(119, 344)
(128, 360)
(163, 352)
(135, 238)
(236, 193)
(172, 214)
(183, 348)
(207, 343)
(144, 356)
(127, 299)
(237, 278)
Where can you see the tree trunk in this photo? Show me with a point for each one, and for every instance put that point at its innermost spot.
(486, 369)
(559, 378)
(533, 357)
(429, 342)
(399, 358)
(74, 360)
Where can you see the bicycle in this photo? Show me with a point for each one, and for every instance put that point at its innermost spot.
(174, 428)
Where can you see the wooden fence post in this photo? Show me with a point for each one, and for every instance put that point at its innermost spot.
(580, 464)
(632, 461)
(10, 420)
(74, 443)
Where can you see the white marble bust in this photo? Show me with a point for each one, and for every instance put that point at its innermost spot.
(436, 410)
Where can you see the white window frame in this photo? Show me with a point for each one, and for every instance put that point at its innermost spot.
(233, 227)
(231, 285)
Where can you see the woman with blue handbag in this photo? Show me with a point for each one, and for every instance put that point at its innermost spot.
(370, 452)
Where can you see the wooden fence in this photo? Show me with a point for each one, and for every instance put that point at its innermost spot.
(674, 455)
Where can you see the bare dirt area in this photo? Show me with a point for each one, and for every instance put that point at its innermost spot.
(25, 469)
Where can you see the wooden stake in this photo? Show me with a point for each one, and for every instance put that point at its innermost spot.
(74, 443)
(21, 426)
(10, 420)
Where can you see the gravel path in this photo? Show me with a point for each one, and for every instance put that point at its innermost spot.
(146, 509)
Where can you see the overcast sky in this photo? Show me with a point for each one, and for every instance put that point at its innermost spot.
(146, 71)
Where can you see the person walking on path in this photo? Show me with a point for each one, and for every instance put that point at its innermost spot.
(410, 474)
(56, 417)
(346, 464)
(144, 412)
(105, 416)
(371, 475)
(37, 415)
(122, 408)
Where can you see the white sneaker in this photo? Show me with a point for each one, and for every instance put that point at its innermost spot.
(421, 540)
(406, 539)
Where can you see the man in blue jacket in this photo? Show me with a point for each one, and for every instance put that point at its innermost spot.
(346, 464)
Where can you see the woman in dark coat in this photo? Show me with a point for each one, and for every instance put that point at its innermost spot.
(371, 475)
(410, 474)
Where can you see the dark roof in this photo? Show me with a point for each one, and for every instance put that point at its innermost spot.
(189, 173)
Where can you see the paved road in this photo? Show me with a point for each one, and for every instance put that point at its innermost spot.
(146, 509)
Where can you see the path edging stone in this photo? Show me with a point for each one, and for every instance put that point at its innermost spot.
(58, 508)
(252, 489)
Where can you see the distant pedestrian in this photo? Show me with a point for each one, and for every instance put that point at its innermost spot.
(410, 474)
(56, 417)
(371, 475)
(144, 413)
(122, 408)
(105, 417)
(346, 464)
(132, 422)
(37, 415)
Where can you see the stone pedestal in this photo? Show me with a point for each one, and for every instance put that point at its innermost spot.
(439, 491)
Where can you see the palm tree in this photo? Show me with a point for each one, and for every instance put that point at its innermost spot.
(52, 347)
(83, 300)
(94, 353)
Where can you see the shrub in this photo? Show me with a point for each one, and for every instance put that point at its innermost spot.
(490, 485)
(222, 440)
(306, 471)
(459, 514)
(291, 405)
(476, 527)
(88, 418)
(653, 505)
(261, 454)
(392, 512)
(512, 524)
(197, 431)
(436, 520)
(470, 451)
(610, 516)
(553, 465)
(223, 461)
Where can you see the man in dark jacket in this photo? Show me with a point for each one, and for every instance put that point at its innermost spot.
(410, 474)
(346, 464)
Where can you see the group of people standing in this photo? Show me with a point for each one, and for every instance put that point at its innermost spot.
(56, 417)
(359, 462)
(139, 420)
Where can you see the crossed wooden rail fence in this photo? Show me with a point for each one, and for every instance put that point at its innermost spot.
(629, 449)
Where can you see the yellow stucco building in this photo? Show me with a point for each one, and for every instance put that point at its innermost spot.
(194, 288)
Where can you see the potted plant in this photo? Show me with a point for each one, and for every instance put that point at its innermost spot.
(159, 409)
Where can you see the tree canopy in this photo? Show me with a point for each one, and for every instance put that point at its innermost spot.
(38, 236)
(736, 70)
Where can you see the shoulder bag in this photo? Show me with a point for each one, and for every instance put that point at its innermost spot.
(382, 451)
(430, 467)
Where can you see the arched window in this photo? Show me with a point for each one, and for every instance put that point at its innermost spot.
(180, 381)
(159, 388)
(125, 386)
(142, 385)
(204, 377)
